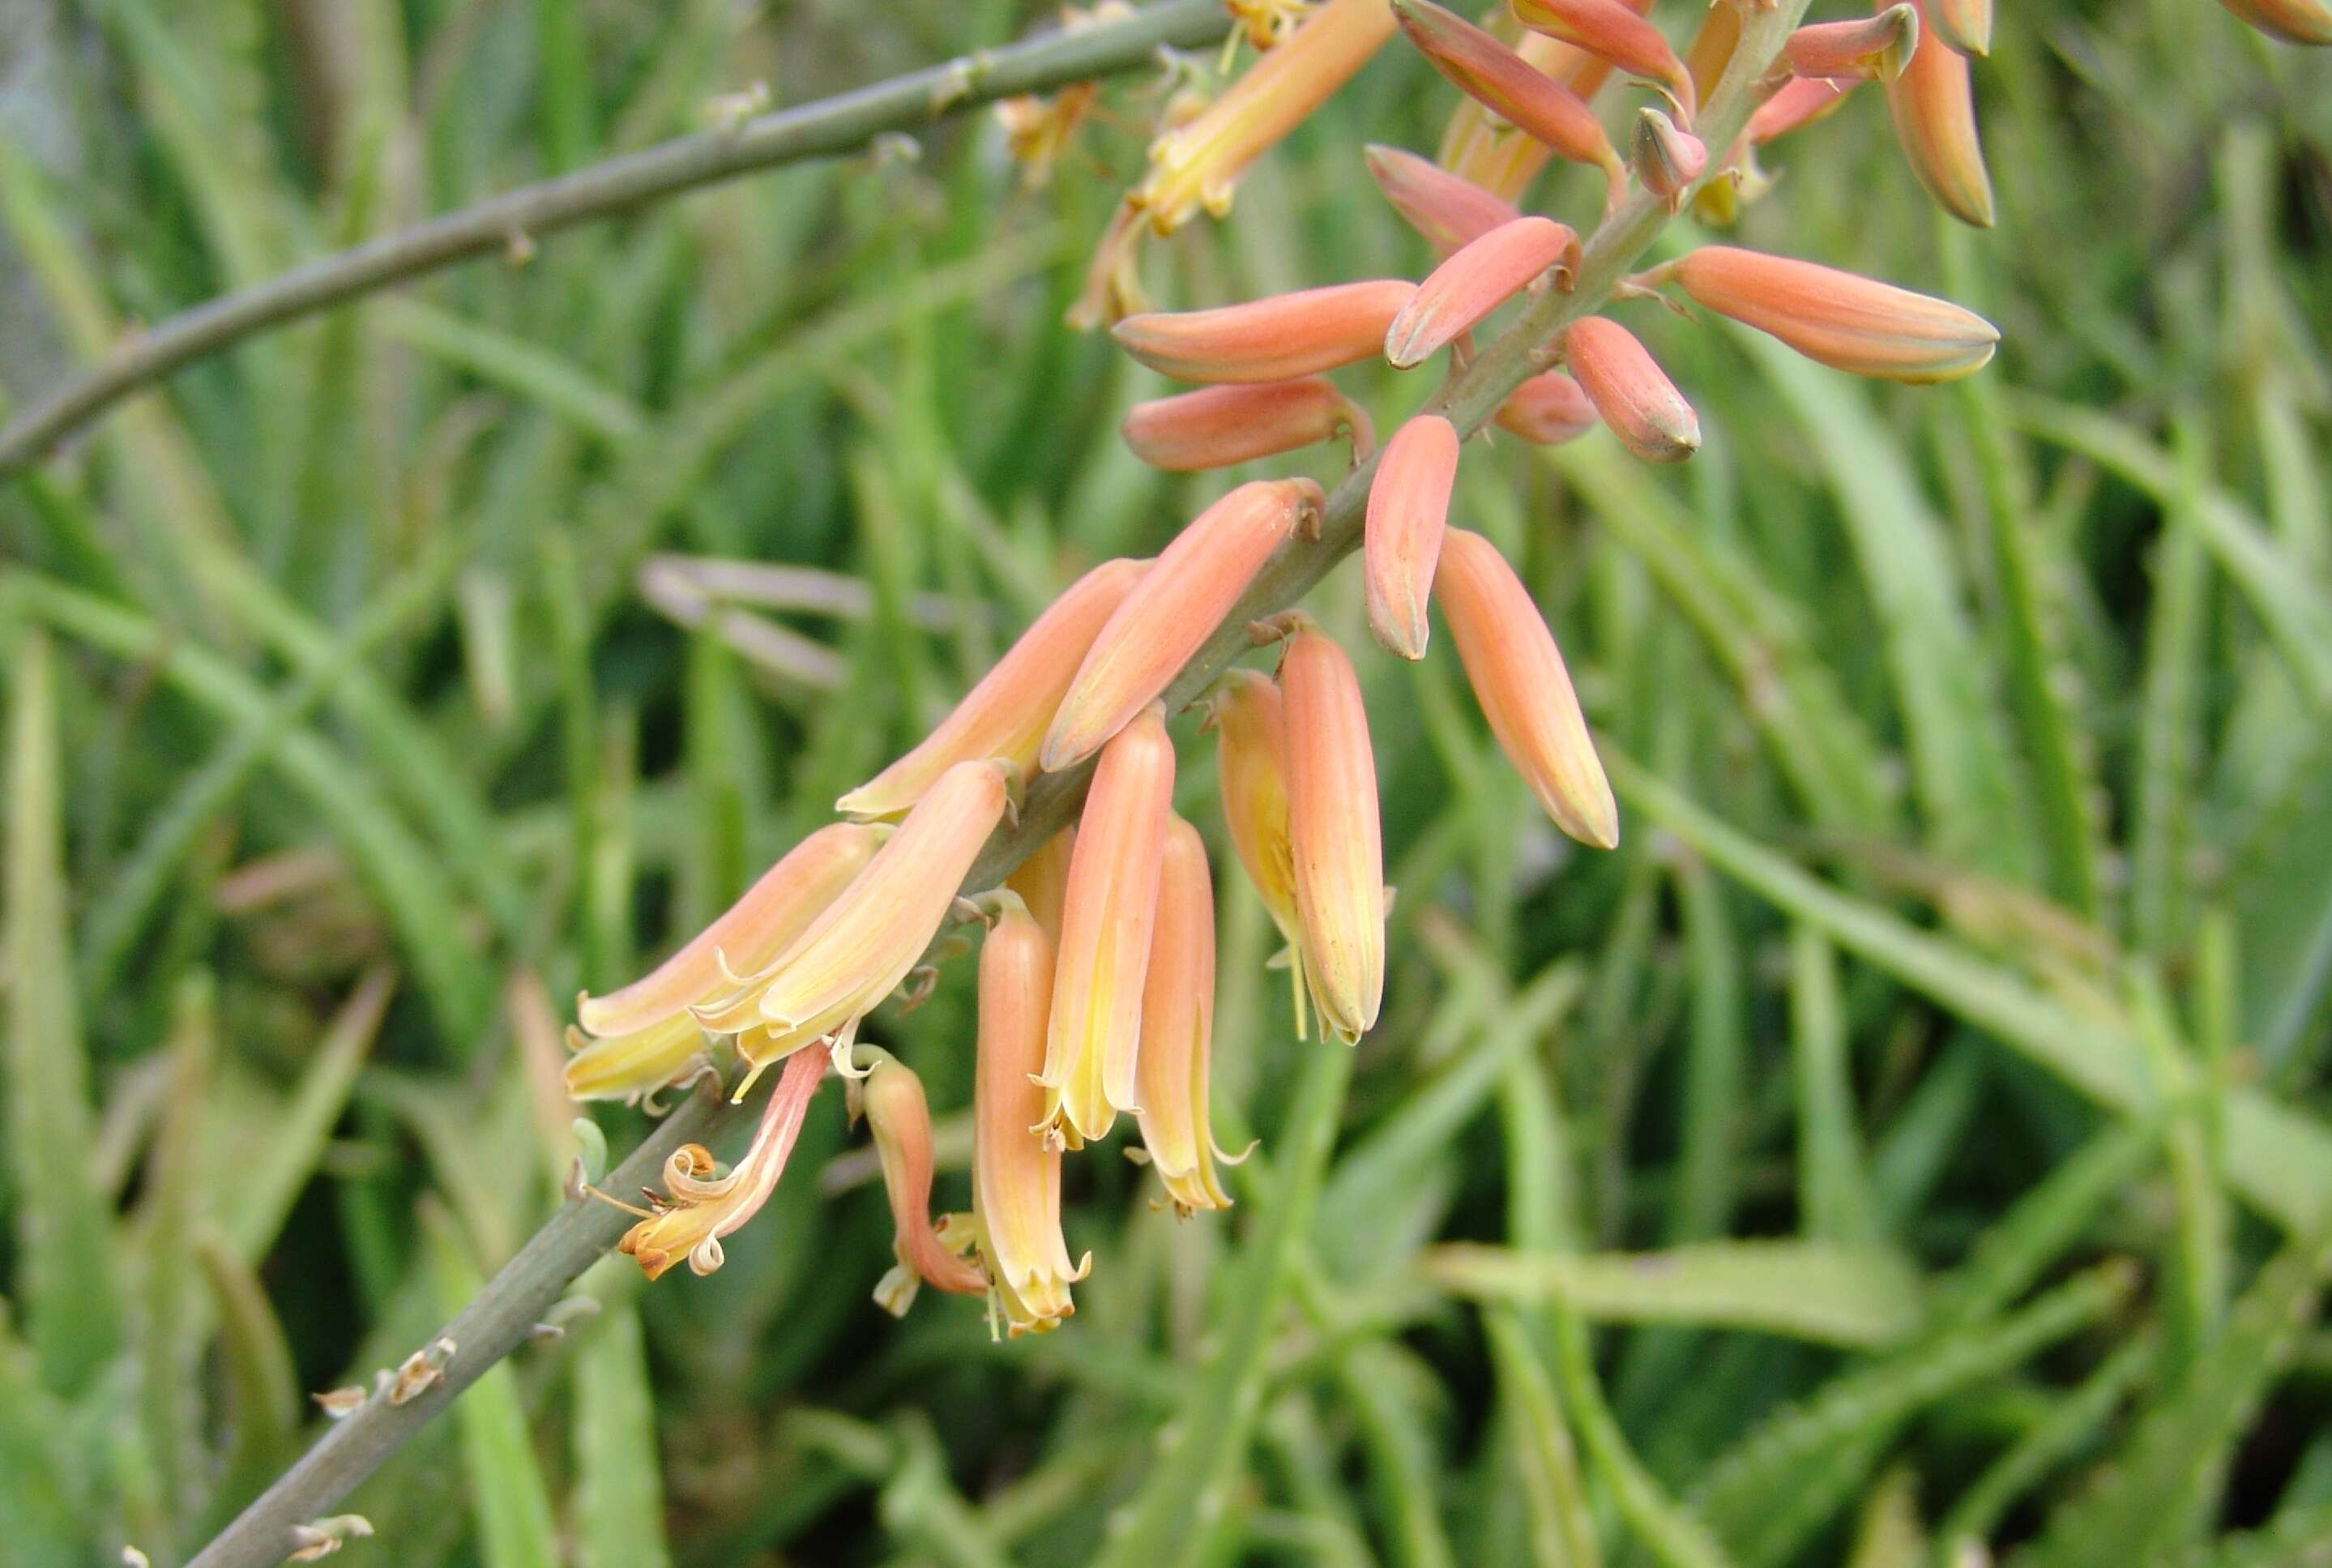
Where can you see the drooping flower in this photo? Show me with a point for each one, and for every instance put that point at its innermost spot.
(1876, 47)
(1524, 693)
(1934, 107)
(1042, 881)
(1005, 714)
(1408, 506)
(1447, 208)
(1631, 391)
(1177, 1025)
(1616, 35)
(701, 1208)
(635, 1041)
(1270, 339)
(1848, 322)
(1246, 710)
(1015, 1174)
(1548, 409)
(1153, 634)
(1217, 426)
(1476, 280)
(890, 1097)
(1106, 920)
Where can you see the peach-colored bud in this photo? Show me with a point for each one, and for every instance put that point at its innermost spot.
(890, 1097)
(1934, 107)
(1474, 280)
(1631, 391)
(1523, 690)
(1273, 339)
(1217, 426)
(1548, 409)
(1105, 925)
(703, 1207)
(1478, 147)
(1408, 506)
(2292, 21)
(1966, 24)
(1667, 160)
(1848, 322)
(1016, 1175)
(871, 938)
(1197, 579)
(1178, 1027)
(1494, 75)
(1042, 881)
(1447, 209)
(1334, 838)
(1005, 714)
(1795, 104)
(1251, 771)
(1869, 47)
(1712, 46)
(644, 1036)
(1615, 34)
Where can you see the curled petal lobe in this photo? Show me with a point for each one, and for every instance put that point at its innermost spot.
(1934, 107)
(1005, 714)
(1507, 85)
(1966, 24)
(1152, 635)
(1449, 210)
(1178, 1021)
(1334, 836)
(1217, 426)
(1848, 322)
(1548, 410)
(1107, 919)
(1525, 691)
(1270, 339)
(891, 1099)
(703, 1207)
(1631, 391)
(1616, 35)
(1409, 507)
(1877, 46)
(1474, 280)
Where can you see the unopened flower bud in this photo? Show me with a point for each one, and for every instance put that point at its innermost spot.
(1334, 836)
(1631, 391)
(1447, 209)
(1473, 282)
(1934, 107)
(1548, 410)
(1667, 161)
(891, 1099)
(1270, 339)
(1870, 47)
(1615, 33)
(1848, 322)
(1177, 1024)
(1217, 426)
(701, 1208)
(1409, 507)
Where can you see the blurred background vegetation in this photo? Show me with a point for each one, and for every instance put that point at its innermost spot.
(383, 681)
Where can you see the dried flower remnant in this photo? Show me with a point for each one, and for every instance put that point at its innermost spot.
(1449, 210)
(1247, 713)
(1631, 391)
(1276, 338)
(1334, 838)
(340, 1403)
(700, 1208)
(1848, 322)
(320, 1538)
(1616, 36)
(1154, 633)
(890, 1097)
(1006, 713)
(1474, 280)
(1178, 1023)
(1548, 410)
(1107, 919)
(633, 1041)
(1038, 129)
(1869, 48)
(421, 1370)
(1409, 507)
(1217, 426)
(1523, 690)
(1934, 107)
(1015, 1174)
(1266, 24)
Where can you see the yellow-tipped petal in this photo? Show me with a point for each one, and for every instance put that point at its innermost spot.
(1843, 321)
(1333, 833)
(1934, 107)
(1631, 391)
(1178, 1021)
(1251, 770)
(1408, 506)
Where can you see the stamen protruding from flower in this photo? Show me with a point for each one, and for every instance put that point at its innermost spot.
(1525, 691)
(1548, 410)
(1005, 714)
(890, 1097)
(1409, 507)
(1447, 209)
(1494, 75)
(1271, 339)
(1042, 882)
(1177, 1024)
(1934, 107)
(1251, 772)
(1667, 161)
(1196, 581)
(1334, 838)
(1217, 426)
(1474, 280)
(1966, 24)
(701, 1209)
(644, 1037)
(1616, 35)
(1848, 322)
(1016, 1175)
(1091, 1046)
(1869, 48)
(1631, 391)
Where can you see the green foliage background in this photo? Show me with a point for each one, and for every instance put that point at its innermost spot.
(1953, 1019)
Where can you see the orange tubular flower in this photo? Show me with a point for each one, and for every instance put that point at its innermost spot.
(1494, 76)
(2292, 21)
(1042, 881)
(1409, 507)
(1966, 24)
(1523, 690)
(1198, 577)
(1667, 160)
(1548, 409)
(890, 1097)
(1615, 34)
(1479, 148)
(1197, 165)
(1016, 1176)
(1797, 103)
(871, 938)
(1217, 426)
(1447, 209)
(1007, 713)
(1474, 280)
(1873, 47)
(644, 1036)
(1334, 838)
(1273, 339)
(1251, 770)
(1631, 391)
(1177, 1025)
(1848, 322)
(1105, 926)
(1934, 119)
(704, 1208)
